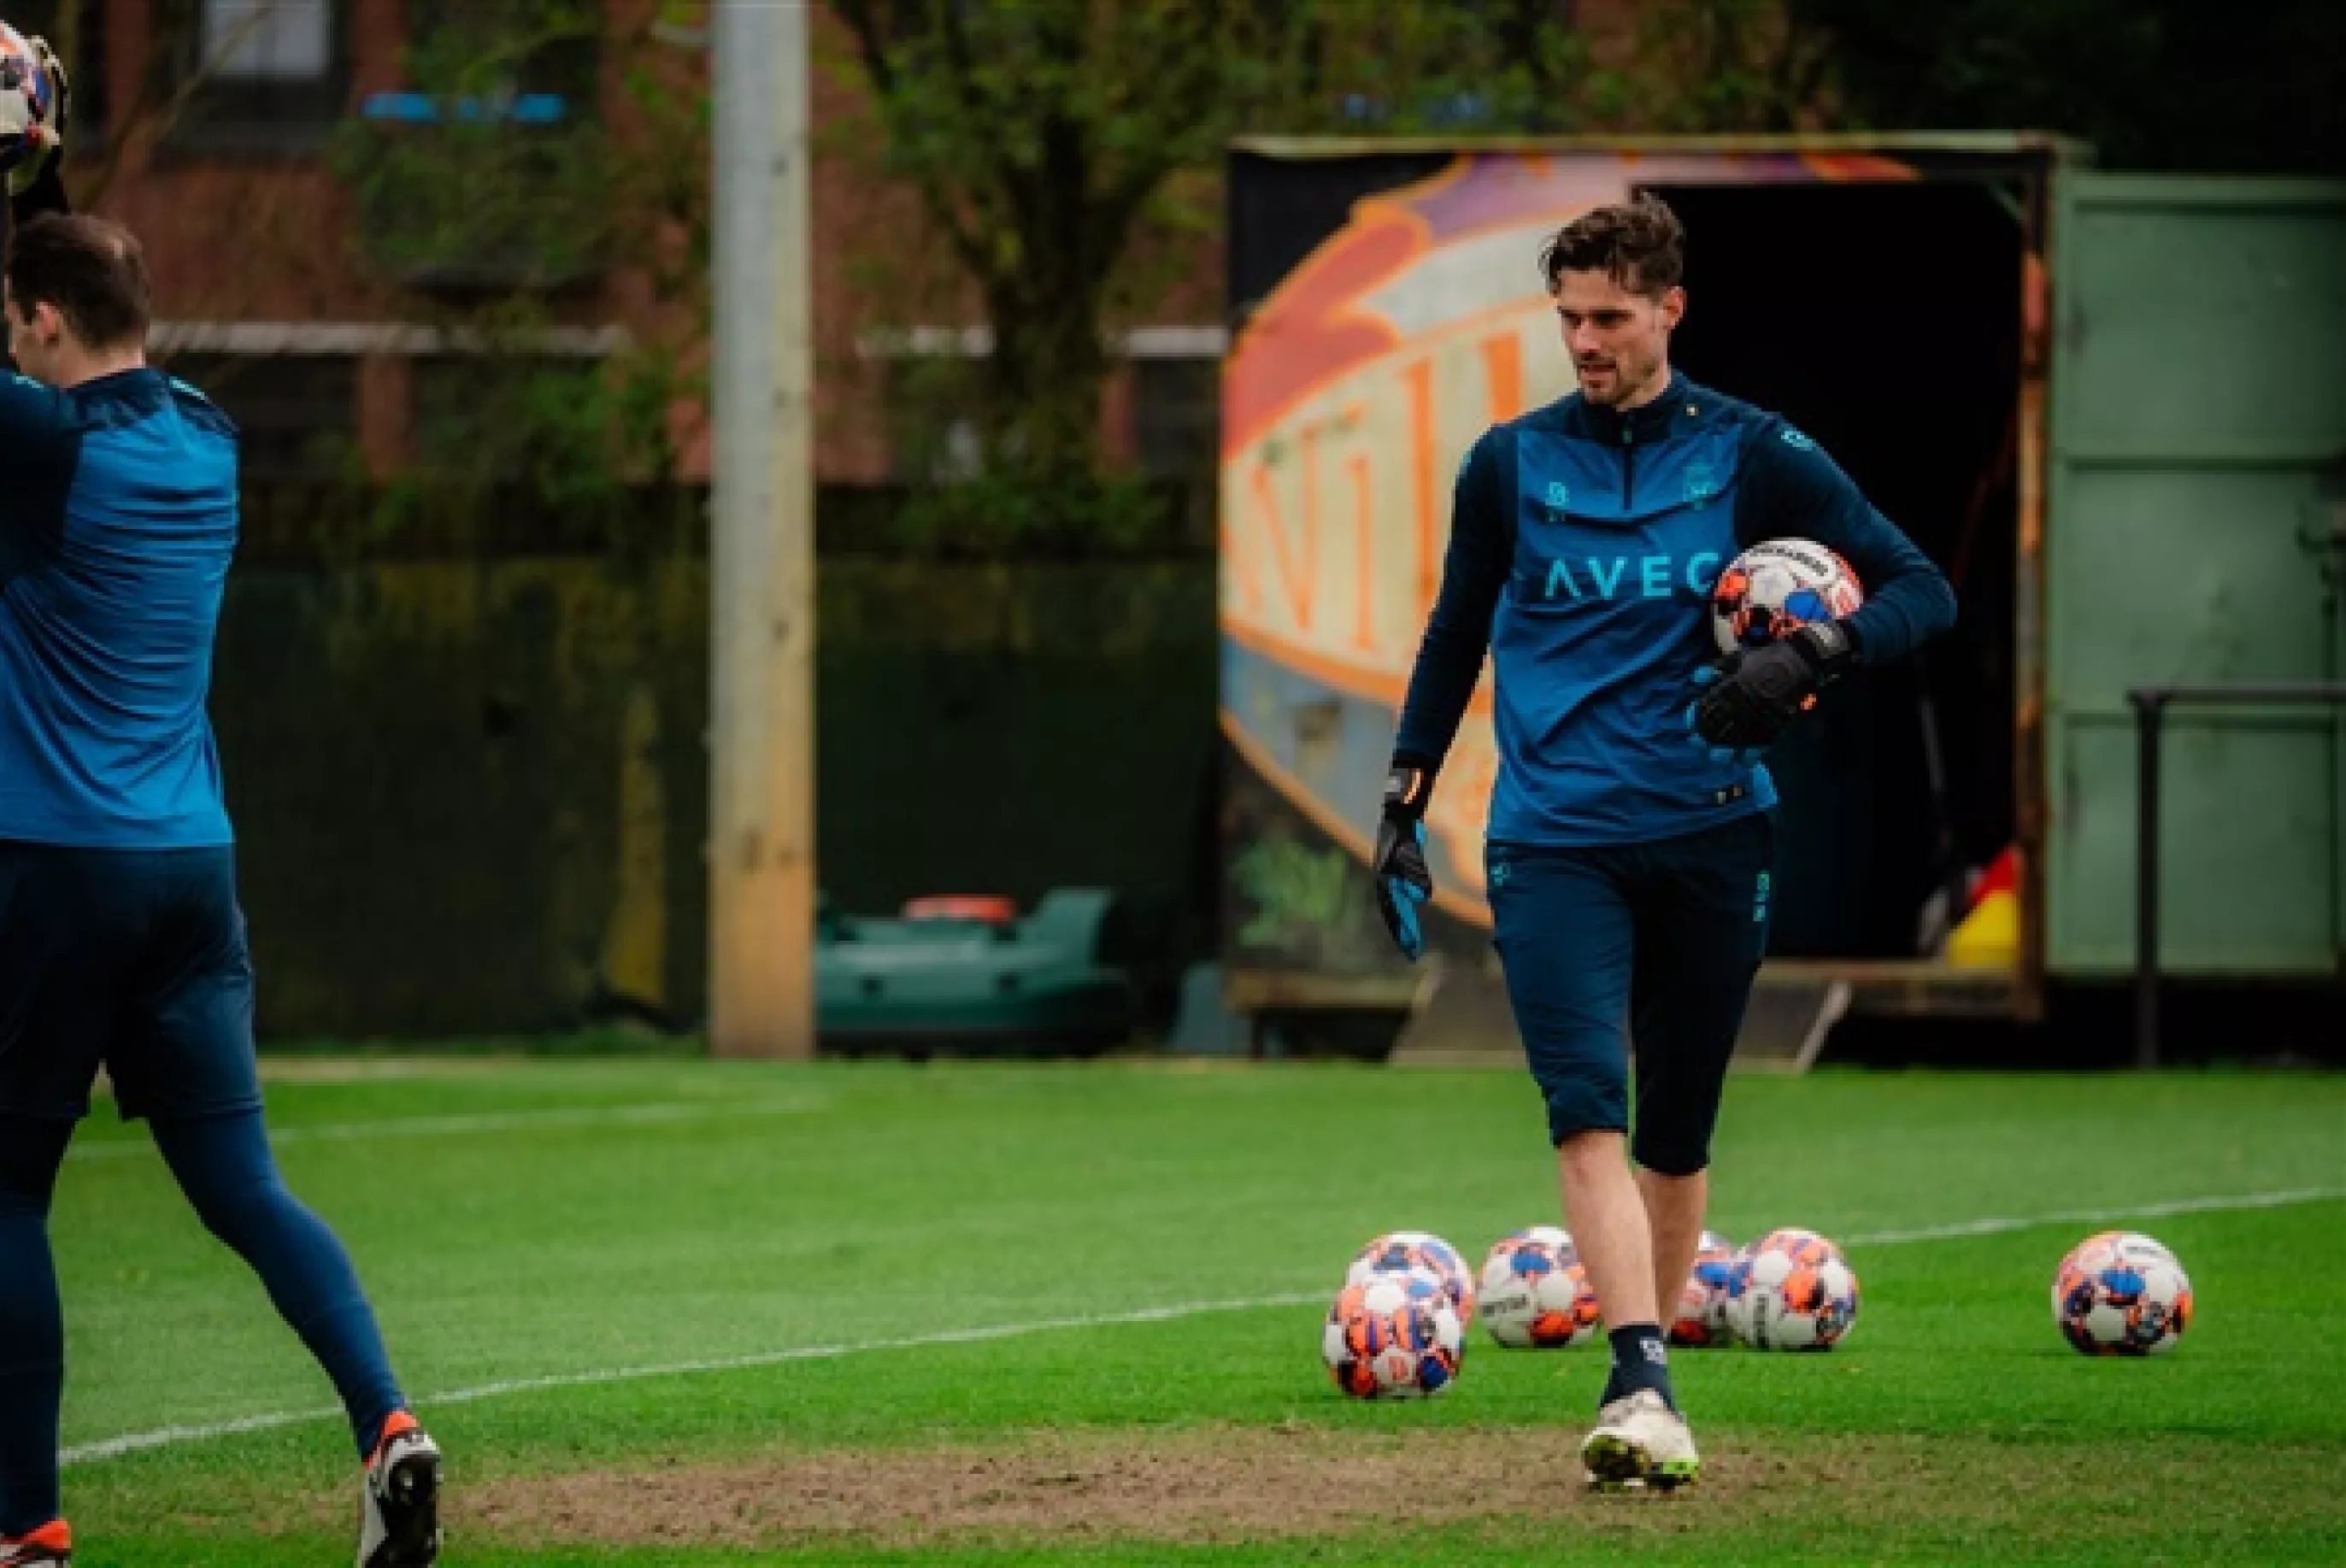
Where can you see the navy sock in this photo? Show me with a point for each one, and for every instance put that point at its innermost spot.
(1639, 1361)
(224, 1166)
(32, 1324)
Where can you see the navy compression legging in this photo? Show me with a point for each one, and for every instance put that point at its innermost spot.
(224, 1167)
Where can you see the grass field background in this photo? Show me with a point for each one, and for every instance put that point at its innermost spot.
(594, 1223)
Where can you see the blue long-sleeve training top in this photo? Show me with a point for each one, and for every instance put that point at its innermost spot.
(1584, 545)
(116, 527)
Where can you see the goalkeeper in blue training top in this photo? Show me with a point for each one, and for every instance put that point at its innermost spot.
(1631, 825)
(121, 942)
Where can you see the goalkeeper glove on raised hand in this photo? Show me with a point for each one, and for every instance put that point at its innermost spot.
(1403, 883)
(1750, 698)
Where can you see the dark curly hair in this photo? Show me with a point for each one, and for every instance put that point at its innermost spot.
(1638, 244)
(91, 269)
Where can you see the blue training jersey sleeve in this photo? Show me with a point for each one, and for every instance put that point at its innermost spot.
(1790, 489)
(1458, 632)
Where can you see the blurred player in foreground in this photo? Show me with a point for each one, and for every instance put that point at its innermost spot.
(121, 942)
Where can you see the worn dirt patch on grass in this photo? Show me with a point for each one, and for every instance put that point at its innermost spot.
(1967, 1498)
(1209, 1485)
(1929, 1495)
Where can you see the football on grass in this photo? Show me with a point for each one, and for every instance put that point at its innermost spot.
(1792, 1290)
(1535, 1291)
(1701, 1316)
(1401, 1249)
(2120, 1293)
(1395, 1337)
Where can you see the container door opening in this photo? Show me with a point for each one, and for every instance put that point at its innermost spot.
(1885, 322)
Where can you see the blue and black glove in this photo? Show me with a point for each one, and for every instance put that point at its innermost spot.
(1749, 699)
(1403, 883)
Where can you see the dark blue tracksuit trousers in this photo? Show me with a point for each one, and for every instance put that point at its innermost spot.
(1643, 952)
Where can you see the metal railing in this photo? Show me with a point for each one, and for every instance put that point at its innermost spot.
(2150, 705)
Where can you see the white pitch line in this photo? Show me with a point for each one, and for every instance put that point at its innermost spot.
(657, 1113)
(2005, 1226)
(165, 1437)
(168, 1437)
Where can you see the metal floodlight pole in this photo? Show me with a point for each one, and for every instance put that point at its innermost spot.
(760, 851)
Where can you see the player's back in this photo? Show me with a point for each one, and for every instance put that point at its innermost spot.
(117, 528)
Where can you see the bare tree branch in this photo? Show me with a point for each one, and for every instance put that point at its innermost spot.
(875, 27)
(152, 116)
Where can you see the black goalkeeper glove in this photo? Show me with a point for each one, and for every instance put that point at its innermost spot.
(1751, 698)
(46, 193)
(1403, 883)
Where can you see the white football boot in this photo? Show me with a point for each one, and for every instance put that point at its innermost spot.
(401, 1525)
(1641, 1443)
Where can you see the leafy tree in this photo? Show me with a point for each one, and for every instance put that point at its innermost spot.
(496, 211)
(1749, 66)
(1056, 146)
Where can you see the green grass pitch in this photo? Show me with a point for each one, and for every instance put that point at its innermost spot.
(699, 1314)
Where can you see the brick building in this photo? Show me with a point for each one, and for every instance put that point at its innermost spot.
(206, 125)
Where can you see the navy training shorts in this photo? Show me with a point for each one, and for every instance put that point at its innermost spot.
(1663, 937)
(132, 958)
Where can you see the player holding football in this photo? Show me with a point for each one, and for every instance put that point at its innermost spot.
(1631, 825)
(120, 938)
